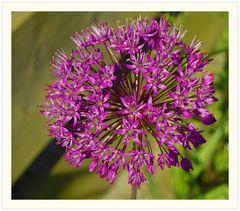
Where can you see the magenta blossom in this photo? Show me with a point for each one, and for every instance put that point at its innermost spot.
(111, 110)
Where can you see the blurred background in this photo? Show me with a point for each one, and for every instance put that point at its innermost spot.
(38, 167)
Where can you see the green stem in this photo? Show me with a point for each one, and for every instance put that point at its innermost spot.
(218, 51)
(134, 193)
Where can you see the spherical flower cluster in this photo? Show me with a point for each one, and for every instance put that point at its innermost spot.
(122, 92)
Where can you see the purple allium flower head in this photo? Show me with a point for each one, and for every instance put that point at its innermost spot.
(120, 90)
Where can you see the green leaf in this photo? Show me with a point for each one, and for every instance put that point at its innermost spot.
(181, 182)
(153, 187)
(221, 160)
(220, 192)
